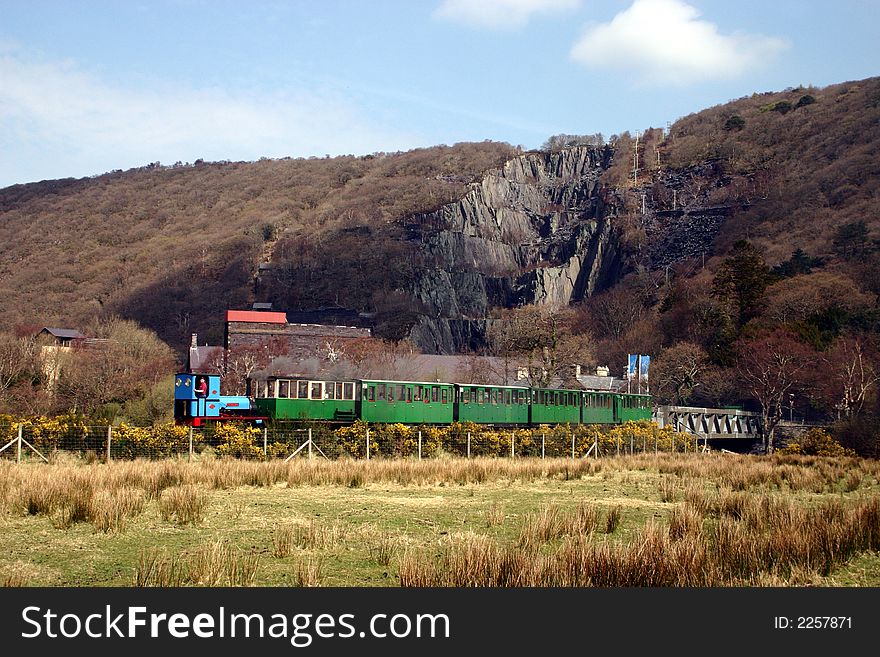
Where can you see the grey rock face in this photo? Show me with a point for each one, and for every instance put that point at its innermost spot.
(535, 231)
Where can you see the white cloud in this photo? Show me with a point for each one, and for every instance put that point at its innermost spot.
(76, 124)
(664, 42)
(499, 14)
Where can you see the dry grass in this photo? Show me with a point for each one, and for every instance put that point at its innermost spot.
(765, 543)
(111, 509)
(309, 572)
(183, 504)
(383, 548)
(212, 564)
(729, 520)
(494, 515)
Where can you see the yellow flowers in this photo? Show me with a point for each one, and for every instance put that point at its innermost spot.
(386, 440)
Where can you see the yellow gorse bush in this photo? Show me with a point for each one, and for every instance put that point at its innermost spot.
(386, 440)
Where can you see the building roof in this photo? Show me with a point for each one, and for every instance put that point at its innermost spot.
(63, 333)
(256, 316)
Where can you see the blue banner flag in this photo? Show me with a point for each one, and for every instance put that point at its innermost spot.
(644, 362)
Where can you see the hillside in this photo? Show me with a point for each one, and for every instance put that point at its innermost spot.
(754, 216)
(174, 246)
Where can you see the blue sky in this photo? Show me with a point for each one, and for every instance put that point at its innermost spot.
(91, 86)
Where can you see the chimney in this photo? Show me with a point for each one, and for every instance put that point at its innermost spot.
(194, 342)
(521, 373)
(602, 371)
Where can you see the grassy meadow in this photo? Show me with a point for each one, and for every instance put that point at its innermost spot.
(648, 520)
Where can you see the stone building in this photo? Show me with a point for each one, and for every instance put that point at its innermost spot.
(252, 327)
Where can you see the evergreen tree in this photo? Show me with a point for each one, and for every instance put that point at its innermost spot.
(742, 279)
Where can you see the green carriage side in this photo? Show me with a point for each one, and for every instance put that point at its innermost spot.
(305, 399)
(407, 402)
(488, 404)
(598, 407)
(629, 407)
(556, 406)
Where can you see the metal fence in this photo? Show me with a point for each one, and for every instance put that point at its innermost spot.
(103, 443)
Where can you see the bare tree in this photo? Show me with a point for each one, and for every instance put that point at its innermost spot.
(772, 365)
(677, 372)
(852, 373)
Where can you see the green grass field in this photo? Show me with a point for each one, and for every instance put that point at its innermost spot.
(441, 522)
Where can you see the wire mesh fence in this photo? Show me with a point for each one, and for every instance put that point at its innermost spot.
(28, 441)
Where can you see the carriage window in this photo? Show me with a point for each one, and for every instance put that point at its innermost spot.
(418, 394)
(348, 390)
(283, 387)
(400, 393)
(481, 396)
(465, 396)
(435, 394)
(329, 390)
(380, 392)
(316, 390)
(371, 393)
(444, 394)
(339, 391)
(409, 394)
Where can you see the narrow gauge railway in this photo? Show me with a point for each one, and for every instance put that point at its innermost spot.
(406, 402)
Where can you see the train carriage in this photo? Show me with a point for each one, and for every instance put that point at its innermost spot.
(306, 399)
(598, 407)
(486, 404)
(555, 406)
(628, 407)
(407, 402)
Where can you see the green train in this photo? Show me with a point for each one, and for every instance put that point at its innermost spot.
(422, 402)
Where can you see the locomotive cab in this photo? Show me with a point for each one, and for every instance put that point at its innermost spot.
(197, 399)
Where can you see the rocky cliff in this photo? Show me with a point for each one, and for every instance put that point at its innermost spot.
(539, 230)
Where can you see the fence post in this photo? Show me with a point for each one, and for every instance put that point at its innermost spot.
(469, 445)
(265, 442)
(618, 445)
(18, 445)
(368, 444)
(572, 446)
(542, 445)
(420, 445)
(644, 443)
(310, 443)
(109, 434)
(655, 444)
(190, 443)
(596, 445)
(673, 443)
(512, 438)
(631, 450)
